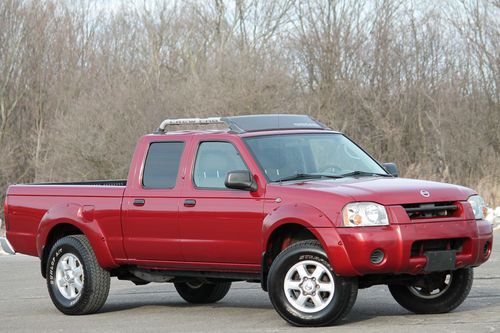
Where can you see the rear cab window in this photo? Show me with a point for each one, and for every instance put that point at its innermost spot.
(162, 164)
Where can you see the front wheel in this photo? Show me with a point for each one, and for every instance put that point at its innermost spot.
(435, 293)
(77, 284)
(304, 289)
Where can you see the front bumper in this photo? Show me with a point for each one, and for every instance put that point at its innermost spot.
(6, 246)
(399, 241)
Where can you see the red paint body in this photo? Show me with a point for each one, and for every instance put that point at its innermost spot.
(228, 230)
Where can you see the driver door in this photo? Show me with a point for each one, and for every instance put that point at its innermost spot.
(219, 225)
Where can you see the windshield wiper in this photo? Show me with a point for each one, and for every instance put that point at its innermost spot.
(298, 176)
(365, 173)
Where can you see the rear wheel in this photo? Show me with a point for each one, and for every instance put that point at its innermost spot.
(77, 284)
(435, 293)
(202, 292)
(304, 289)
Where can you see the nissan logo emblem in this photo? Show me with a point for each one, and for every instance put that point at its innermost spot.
(425, 193)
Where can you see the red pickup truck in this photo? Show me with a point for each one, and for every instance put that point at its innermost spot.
(276, 199)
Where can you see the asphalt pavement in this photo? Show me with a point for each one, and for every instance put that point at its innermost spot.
(26, 307)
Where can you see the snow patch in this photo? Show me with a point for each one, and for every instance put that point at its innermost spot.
(2, 252)
(493, 216)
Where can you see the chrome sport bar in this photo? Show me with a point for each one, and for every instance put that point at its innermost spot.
(189, 121)
(251, 123)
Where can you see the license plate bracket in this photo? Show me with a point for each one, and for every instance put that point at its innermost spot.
(439, 261)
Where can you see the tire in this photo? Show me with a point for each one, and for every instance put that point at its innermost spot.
(296, 295)
(435, 293)
(201, 292)
(77, 284)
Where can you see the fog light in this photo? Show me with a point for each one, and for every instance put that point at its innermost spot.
(486, 249)
(377, 257)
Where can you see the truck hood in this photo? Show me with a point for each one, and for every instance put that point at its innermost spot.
(387, 191)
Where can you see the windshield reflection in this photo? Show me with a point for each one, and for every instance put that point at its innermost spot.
(299, 156)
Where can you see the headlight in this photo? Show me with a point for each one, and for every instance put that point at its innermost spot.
(478, 206)
(364, 214)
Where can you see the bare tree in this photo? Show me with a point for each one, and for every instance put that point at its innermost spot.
(415, 82)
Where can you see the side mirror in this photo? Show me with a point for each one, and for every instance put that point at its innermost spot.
(240, 180)
(391, 168)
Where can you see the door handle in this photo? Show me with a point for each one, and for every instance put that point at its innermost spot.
(189, 203)
(139, 202)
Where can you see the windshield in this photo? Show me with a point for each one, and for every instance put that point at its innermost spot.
(299, 156)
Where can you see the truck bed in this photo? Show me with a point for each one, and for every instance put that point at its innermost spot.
(27, 204)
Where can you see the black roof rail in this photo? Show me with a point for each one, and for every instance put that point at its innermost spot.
(251, 123)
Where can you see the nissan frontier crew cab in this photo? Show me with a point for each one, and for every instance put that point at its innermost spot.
(276, 199)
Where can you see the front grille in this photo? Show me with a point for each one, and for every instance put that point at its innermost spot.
(418, 248)
(432, 209)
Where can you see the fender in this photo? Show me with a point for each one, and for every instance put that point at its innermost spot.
(81, 217)
(299, 213)
(316, 222)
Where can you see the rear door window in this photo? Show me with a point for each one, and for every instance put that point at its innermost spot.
(162, 164)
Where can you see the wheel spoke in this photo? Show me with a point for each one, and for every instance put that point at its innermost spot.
(301, 300)
(78, 271)
(302, 271)
(318, 272)
(443, 286)
(325, 286)
(64, 264)
(72, 291)
(78, 284)
(317, 300)
(61, 283)
(426, 290)
(67, 290)
(292, 285)
(71, 262)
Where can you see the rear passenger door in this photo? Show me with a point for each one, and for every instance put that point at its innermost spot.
(151, 204)
(220, 227)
